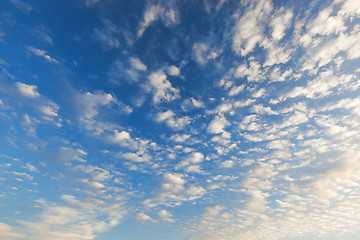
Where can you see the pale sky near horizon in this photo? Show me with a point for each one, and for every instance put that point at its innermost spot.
(179, 119)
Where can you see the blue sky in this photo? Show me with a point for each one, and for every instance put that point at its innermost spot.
(181, 120)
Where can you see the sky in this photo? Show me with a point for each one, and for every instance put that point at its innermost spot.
(179, 119)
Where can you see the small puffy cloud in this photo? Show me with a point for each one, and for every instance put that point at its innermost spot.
(257, 202)
(42, 53)
(260, 109)
(90, 105)
(165, 216)
(236, 90)
(93, 184)
(253, 71)
(173, 70)
(203, 53)
(217, 125)
(227, 164)
(180, 137)
(195, 192)
(213, 211)
(106, 34)
(27, 90)
(249, 28)
(124, 139)
(162, 88)
(193, 158)
(136, 157)
(260, 93)
(130, 71)
(280, 22)
(137, 64)
(50, 110)
(167, 14)
(173, 182)
(172, 120)
(143, 217)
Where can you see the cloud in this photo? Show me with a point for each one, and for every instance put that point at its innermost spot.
(106, 34)
(167, 14)
(213, 211)
(25, 8)
(217, 125)
(143, 217)
(257, 202)
(227, 164)
(7, 232)
(180, 137)
(42, 33)
(165, 216)
(249, 28)
(74, 219)
(280, 22)
(203, 53)
(173, 70)
(42, 53)
(131, 71)
(89, 105)
(136, 157)
(236, 90)
(137, 64)
(172, 120)
(27, 90)
(90, 3)
(161, 87)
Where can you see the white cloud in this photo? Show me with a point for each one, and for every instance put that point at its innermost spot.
(236, 90)
(227, 164)
(90, 105)
(162, 88)
(167, 14)
(203, 53)
(137, 64)
(7, 232)
(27, 90)
(93, 184)
(172, 120)
(322, 86)
(50, 110)
(260, 109)
(180, 137)
(30, 168)
(213, 211)
(76, 219)
(42, 53)
(257, 202)
(165, 216)
(249, 28)
(136, 157)
(280, 22)
(193, 158)
(143, 217)
(107, 34)
(173, 70)
(253, 72)
(217, 125)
